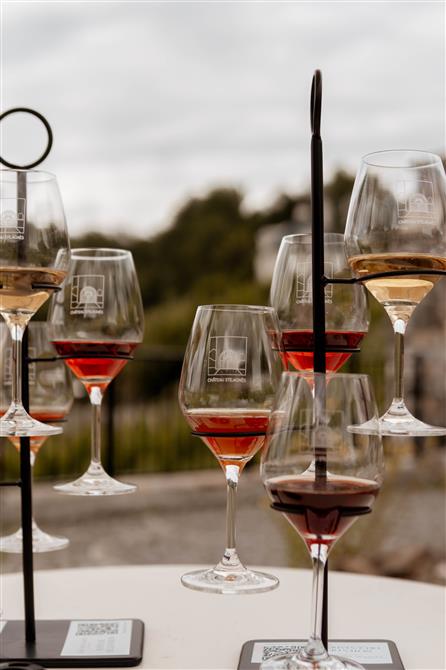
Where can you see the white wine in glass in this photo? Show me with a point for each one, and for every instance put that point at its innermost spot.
(398, 295)
(34, 260)
(396, 224)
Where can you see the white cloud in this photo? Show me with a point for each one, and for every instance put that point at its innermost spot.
(152, 102)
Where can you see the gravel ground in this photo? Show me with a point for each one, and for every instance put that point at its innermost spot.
(180, 518)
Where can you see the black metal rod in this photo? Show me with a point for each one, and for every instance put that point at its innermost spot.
(317, 216)
(318, 284)
(21, 213)
(27, 510)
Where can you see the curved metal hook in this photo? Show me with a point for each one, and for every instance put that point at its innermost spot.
(27, 110)
(316, 103)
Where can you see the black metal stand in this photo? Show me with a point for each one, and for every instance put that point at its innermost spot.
(318, 280)
(53, 643)
(50, 638)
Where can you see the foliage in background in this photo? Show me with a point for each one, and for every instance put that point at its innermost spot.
(205, 256)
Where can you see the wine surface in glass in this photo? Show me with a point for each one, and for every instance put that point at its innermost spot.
(16, 288)
(398, 295)
(322, 511)
(90, 370)
(228, 448)
(292, 340)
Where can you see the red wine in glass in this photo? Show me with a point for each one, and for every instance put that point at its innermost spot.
(90, 370)
(233, 435)
(321, 511)
(294, 340)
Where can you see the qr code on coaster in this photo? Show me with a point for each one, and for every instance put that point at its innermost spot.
(98, 638)
(99, 628)
(277, 649)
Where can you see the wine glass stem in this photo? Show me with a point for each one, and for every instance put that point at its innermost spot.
(314, 649)
(17, 338)
(96, 401)
(232, 475)
(399, 328)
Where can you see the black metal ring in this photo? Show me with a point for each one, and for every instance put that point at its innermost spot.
(124, 357)
(62, 357)
(379, 275)
(27, 110)
(253, 434)
(333, 349)
(301, 509)
(45, 287)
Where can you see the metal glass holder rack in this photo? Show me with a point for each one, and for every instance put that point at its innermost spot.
(320, 281)
(26, 643)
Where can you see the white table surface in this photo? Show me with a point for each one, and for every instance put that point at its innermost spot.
(188, 630)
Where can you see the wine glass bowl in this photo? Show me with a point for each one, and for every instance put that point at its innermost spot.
(96, 322)
(231, 368)
(51, 397)
(396, 224)
(291, 296)
(322, 476)
(34, 260)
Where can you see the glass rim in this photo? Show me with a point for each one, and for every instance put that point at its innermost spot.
(431, 159)
(297, 237)
(84, 253)
(220, 307)
(46, 176)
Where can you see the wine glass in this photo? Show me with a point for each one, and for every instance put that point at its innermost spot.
(51, 397)
(230, 373)
(291, 295)
(96, 322)
(34, 259)
(396, 222)
(313, 421)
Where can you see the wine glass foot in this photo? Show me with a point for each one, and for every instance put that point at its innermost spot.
(42, 542)
(398, 421)
(18, 423)
(95, 482)
(229, 582)
(298, 662)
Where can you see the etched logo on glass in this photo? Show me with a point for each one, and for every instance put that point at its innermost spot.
(304, 283)
(87, 295)
(12, 218)
(8, 369)
(415, 200)
(227, 357)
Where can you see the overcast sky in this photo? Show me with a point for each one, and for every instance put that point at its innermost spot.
(151, 103)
